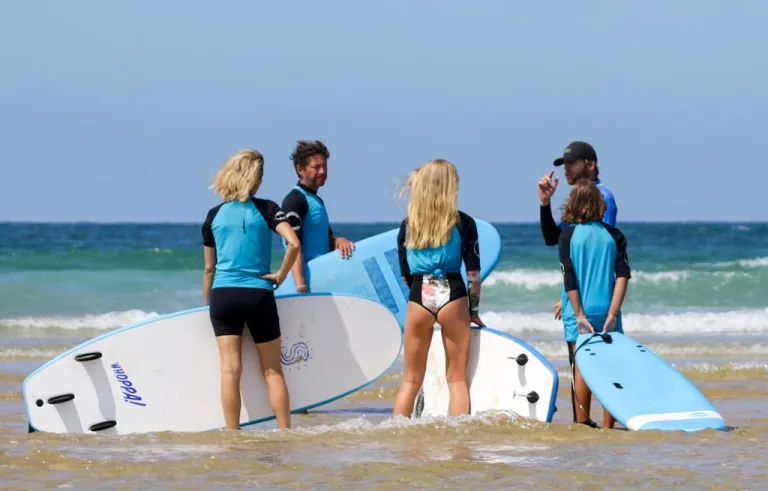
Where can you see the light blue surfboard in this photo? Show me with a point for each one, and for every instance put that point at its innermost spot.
(639, 388)
(373, 271)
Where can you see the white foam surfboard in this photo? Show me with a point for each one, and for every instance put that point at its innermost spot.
(163, 374)
(504, 374)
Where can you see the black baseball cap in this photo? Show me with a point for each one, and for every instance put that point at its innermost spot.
(577, 151)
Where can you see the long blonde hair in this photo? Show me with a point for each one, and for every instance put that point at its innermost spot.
(432, 208)
(240, 176)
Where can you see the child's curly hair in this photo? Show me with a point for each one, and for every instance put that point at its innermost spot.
(584, 204)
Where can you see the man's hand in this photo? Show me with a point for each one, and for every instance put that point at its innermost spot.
(345, 247)
(610, 323)
(546, 188)
(558, 310)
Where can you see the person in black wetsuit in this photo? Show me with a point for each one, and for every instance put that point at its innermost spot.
(434, 241)
(238, 285)
(306, 211)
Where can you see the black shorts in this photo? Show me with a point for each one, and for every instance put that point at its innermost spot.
(434, 293)
(232, 308)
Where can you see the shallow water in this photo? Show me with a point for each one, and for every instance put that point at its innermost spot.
(698, 298)
(354, 442)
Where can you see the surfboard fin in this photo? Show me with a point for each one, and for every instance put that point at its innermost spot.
(532, 397)
(103, 425)
(61, 398)
(88, 356)
(521, 359)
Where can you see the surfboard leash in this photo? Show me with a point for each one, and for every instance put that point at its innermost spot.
(607, 340)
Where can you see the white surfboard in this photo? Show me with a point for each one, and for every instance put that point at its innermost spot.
(163, 374)
(504, 374)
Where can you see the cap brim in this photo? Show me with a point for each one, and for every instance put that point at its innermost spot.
(558, 162)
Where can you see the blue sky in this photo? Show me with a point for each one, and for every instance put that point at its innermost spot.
(122, 111)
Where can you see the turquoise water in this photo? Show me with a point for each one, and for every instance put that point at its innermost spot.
(102, 276)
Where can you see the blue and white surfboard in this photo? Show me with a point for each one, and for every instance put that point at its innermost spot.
(639, 388)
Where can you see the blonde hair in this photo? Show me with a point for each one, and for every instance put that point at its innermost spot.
(240, 176)
(432, 208)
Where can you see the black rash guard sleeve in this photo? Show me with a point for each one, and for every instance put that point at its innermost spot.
(271, 212)
(207, 228)
(470, 243)
(621, 268)
(295, 207)
(566, 265)
(549, 228)
(402, 254)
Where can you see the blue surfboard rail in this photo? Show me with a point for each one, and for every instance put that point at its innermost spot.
(639, 388)
(151, 320)
(373, 271)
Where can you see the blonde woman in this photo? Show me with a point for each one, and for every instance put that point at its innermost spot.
(238, 285)
(433, 242)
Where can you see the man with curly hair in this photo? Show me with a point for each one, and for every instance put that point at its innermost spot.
(306, 211)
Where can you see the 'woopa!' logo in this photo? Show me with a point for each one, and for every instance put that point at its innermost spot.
(129, 391)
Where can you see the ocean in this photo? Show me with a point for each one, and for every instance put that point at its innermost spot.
(698, 297)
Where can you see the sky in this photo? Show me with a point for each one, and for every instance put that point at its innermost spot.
(123, 111)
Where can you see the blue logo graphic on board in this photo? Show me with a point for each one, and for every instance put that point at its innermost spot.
(297, 353)
(130, 394)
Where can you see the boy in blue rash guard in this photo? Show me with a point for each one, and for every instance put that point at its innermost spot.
(593, 259)
(306, 211)
(238, 285)
(434, 240)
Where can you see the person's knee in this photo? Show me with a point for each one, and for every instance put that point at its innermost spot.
(273, 373)
(455, 376)
(231, 368)
(413, 377)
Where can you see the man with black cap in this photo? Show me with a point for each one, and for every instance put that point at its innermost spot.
(580, 161)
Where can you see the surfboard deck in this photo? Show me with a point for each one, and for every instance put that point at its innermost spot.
(163, 374)
(373, 270)
(504, 374)
(640, 389)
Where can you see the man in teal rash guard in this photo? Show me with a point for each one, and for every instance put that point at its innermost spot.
(579, 160)
(306, 211)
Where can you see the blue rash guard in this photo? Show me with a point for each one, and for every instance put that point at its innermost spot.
(307, 215)
(592, 256)
(241, 234)
(551, 231)
(463, 246)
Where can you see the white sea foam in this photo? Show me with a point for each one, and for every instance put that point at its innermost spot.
(534, 279)
(740, 321)
(106, 321)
